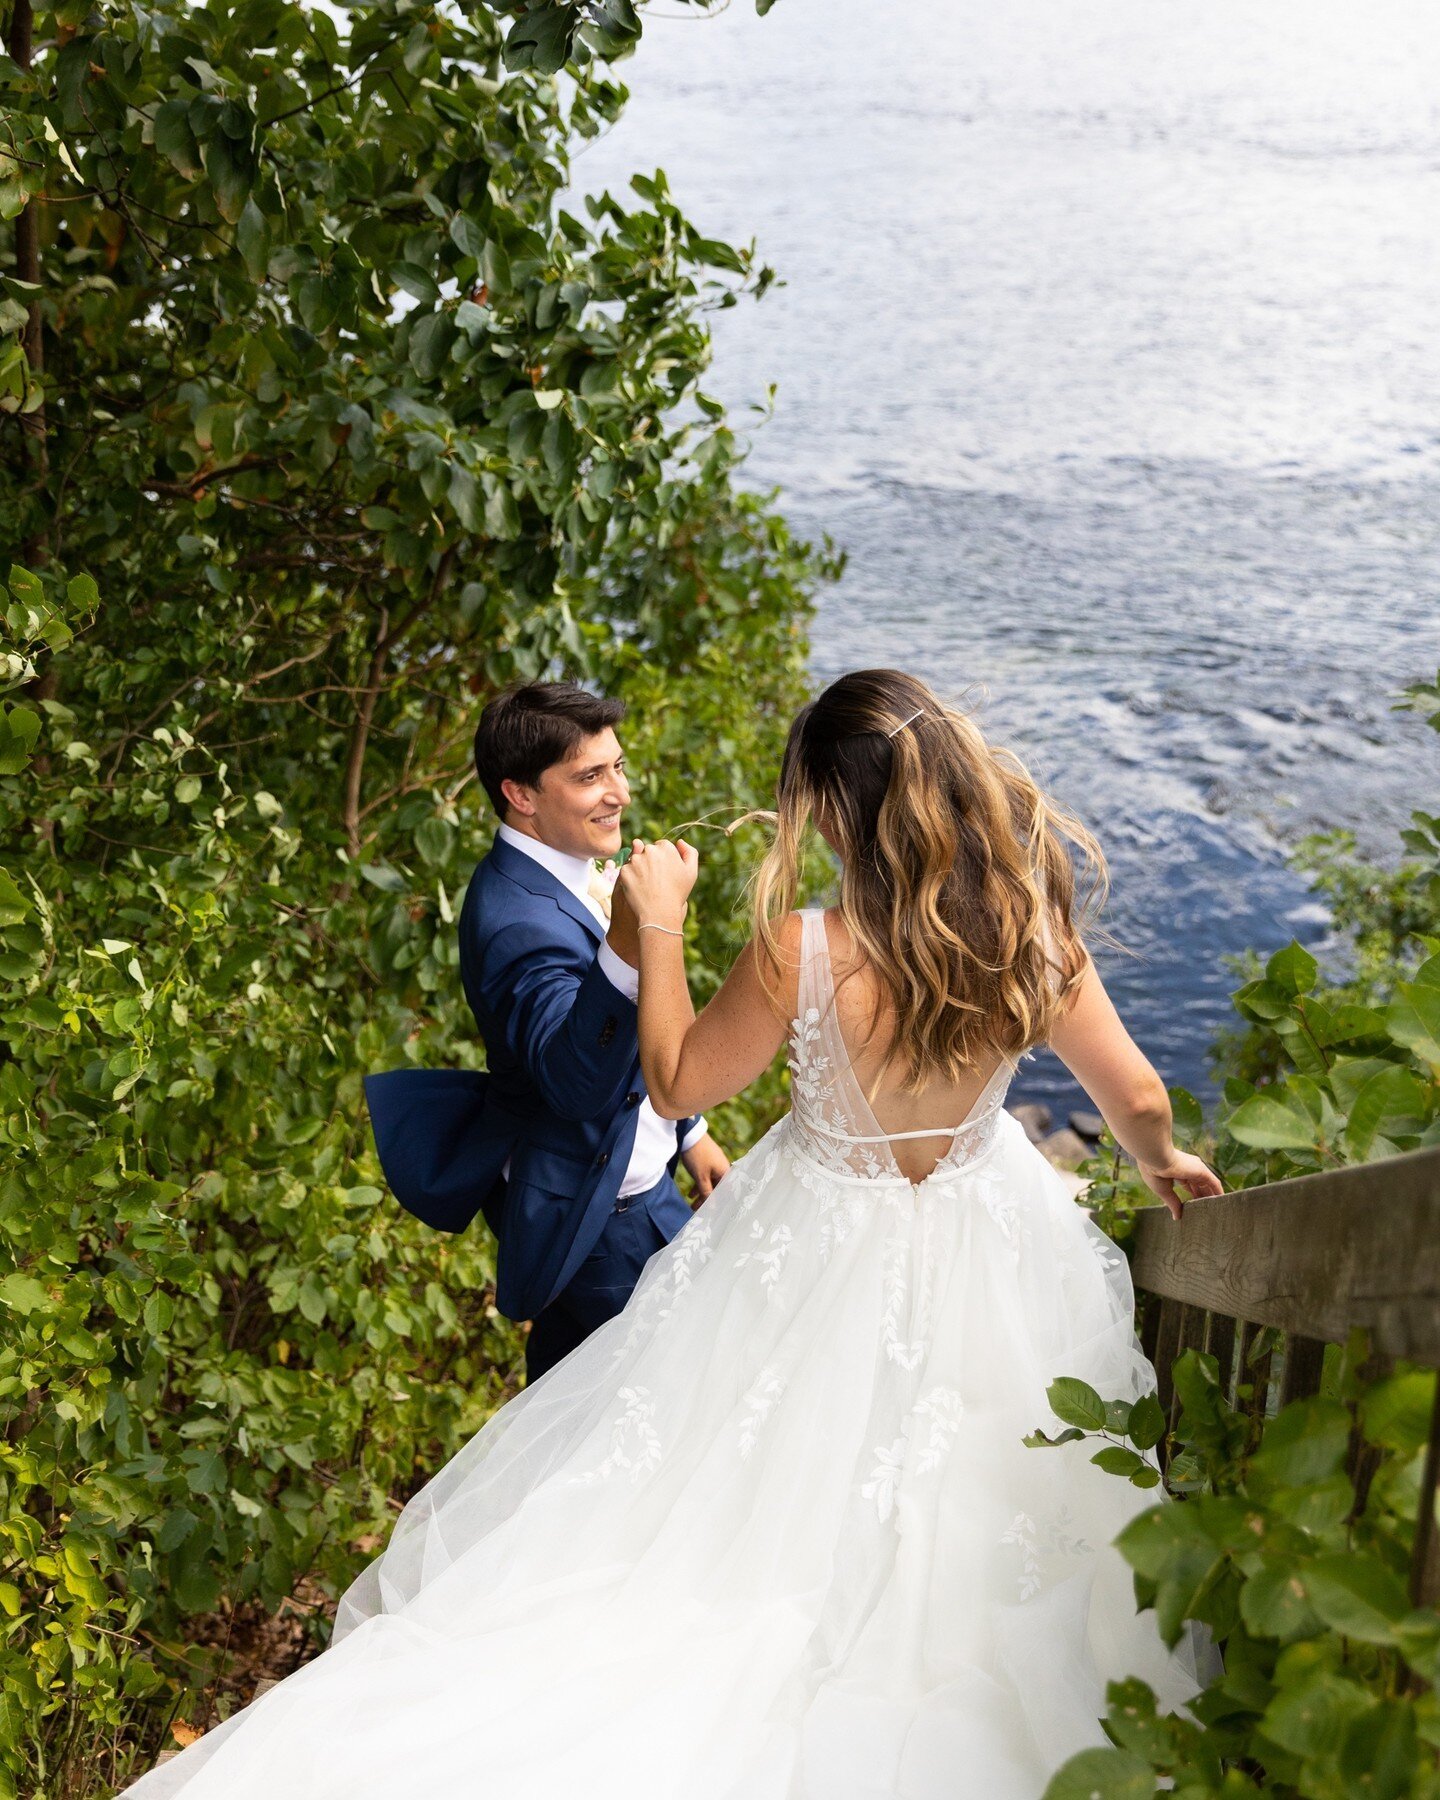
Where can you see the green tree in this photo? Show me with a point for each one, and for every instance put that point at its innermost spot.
(322, 418)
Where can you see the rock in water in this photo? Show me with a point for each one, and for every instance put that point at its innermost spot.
(1034, 1117)
(1088, 1124)
(1066, 1149)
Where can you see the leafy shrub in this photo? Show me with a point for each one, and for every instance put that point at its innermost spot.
(327, 420)
(1293, 1535)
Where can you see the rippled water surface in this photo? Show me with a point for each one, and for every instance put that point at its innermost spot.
(1108, 351)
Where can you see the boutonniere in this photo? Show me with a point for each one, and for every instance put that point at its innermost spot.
(602, 884)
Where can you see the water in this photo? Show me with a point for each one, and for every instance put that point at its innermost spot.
(1108, 351)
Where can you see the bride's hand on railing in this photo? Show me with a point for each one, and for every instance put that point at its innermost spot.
(1197, 1178)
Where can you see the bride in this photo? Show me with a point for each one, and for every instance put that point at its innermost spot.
(772, 1533)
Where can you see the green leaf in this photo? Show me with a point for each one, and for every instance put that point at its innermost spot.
(378, 876)
(14, 907)
(1303, 1444)
(502, 515)
(252, 240)
(175, 140)
(1413, 1019)
(1397, 1412)
(467, 236)
(82, 593)
(1311, 1718)
(1380, 1754)
(1039, 1440)
(1147, 1422)
(1273, 1121)
(415, 280)
(1273, 1603)
(19, 729)
(24, 1294)
(1391, 1094)
(1356, 1595)
(1076, 1403)
(435, 840)
(177, 1526)
(1189, 1116)
(1117, 1459)
(1292, 969)
(431, 339)
(231, 168)
(541, 39)
(159, 1313)
(1103, 1774)
(464, 493)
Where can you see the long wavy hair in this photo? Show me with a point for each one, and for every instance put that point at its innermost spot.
(955, 881)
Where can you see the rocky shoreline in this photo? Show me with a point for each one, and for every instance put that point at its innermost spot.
(1066, 1147)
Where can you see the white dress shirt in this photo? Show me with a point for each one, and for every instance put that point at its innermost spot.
(654, 1137)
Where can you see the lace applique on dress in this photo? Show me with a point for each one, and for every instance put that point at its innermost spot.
(634, 1441)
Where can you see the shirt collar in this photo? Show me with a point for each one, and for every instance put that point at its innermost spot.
(573, 872)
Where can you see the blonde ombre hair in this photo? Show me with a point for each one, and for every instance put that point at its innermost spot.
(955, 882)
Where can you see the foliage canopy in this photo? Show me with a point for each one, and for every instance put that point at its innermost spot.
(325, 415)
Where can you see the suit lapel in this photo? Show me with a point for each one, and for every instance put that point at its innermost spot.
(537, 880)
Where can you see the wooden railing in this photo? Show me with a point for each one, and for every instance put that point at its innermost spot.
(1312, 1258)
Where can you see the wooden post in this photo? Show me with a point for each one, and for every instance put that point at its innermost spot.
(1425, 1564)
(1220, 1342)
(1166, 1345)
(1303, 1366)
(1258, 1373)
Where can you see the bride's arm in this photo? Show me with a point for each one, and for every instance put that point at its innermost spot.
(691, 1063)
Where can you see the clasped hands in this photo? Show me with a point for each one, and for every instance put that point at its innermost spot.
(653, 890)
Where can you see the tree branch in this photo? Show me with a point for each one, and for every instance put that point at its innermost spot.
(27, 268)
(360, 734)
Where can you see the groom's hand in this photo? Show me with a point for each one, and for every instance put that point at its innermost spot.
(707, 1163)
(623, 935)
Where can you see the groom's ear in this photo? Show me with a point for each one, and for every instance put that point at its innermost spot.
(518, 796)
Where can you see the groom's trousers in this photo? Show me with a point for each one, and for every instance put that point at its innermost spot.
(637, 1227)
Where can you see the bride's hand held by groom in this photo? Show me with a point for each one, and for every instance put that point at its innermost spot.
(652, 891)
(656, 882)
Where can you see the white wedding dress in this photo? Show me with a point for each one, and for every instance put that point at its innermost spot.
(770, 1534)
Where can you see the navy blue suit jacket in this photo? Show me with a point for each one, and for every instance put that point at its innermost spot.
(559, 1100)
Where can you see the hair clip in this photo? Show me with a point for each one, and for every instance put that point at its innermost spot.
(918, 713)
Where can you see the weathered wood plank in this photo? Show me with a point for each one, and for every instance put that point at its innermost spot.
(1316, 1255)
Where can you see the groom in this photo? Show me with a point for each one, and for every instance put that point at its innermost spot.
(557, 1142)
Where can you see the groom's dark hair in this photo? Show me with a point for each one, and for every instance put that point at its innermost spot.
(527, 730)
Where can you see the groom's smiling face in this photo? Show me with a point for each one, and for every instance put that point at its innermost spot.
(577, 805)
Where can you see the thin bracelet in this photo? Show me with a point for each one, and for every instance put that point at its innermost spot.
(664, 928)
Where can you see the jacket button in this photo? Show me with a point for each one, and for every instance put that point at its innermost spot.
(632, 1099)
(602, 1159)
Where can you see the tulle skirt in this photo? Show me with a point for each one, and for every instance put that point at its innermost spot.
(770, 1534)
